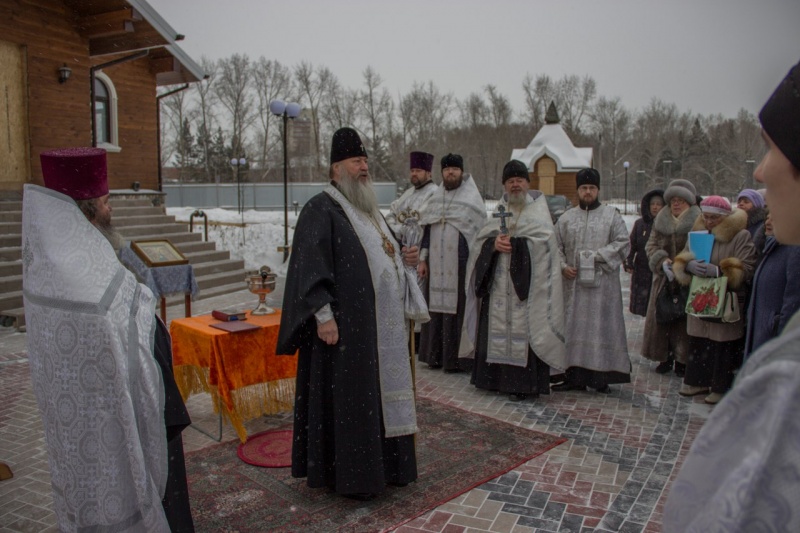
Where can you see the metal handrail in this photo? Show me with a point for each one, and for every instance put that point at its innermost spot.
(199, 213)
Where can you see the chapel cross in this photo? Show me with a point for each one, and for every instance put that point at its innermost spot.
(502, 215)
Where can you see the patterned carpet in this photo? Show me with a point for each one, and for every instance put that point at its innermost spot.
(456, 451)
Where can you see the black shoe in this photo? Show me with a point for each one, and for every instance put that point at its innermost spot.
(398, 485)
(434, 367)
(517, 397)
(664, 367)
(361, 496)
(680, 369)
(558, 378)
(452, 370)
(567, 386)
(605, 389)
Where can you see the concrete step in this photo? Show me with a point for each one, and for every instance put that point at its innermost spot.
(12, 300)
(10, 216)
(130, 202)
(11, 253)
(10, 268)
(211, 292)
(10, 240)
(10, 205)
(150, 230)
(132, 211)
(220, 278)
(215, 267)
(190, 247)
(10, 228)
(141, 220)
(203, 256)
(174, 238)
(10, 284)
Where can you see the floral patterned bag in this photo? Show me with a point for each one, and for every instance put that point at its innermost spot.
(707, 298)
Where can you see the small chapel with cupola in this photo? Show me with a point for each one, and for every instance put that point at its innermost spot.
(552, 159)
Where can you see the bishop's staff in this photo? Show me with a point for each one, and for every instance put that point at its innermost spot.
(411, 235)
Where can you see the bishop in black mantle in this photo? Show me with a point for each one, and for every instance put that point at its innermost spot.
(350, 291)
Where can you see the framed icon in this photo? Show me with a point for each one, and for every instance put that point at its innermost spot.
(157, 253)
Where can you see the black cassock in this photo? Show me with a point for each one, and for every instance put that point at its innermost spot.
(176, 419)
(534, 378)
(339, 438)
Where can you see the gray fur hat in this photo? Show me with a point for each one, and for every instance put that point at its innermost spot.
(681, 189)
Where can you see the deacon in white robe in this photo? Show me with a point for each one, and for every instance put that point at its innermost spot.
(594, 243)
(515, 272)
(451, 219)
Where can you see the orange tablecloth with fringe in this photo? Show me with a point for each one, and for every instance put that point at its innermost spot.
(240, 370)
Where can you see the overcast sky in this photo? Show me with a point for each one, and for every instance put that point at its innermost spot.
(706, 56)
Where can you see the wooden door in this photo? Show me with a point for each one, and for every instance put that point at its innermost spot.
(14, 148)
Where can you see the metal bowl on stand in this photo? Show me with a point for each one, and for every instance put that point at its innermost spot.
(261, 283)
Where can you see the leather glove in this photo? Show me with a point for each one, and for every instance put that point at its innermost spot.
(702, 269)
(667, 268)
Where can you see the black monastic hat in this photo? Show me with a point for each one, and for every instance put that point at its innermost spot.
(346, 144)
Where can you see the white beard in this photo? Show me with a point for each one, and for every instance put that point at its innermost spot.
(516, 201)
(361, 195)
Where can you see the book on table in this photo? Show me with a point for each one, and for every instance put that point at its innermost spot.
(229, 316)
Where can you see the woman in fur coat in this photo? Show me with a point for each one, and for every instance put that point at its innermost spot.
(715, 350)
(636, 264)
(668, 343)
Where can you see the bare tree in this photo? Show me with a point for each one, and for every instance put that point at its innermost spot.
(206, 101)
(233, 88)
(271, 81)
(179, 113)
(377, 109)
(611, 123)
(311, 85)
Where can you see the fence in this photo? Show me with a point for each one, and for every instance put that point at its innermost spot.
(257, 196)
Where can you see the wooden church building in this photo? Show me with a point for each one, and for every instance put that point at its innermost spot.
(552, 159)
(85, 73)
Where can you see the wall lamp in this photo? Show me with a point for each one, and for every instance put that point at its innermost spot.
(64, 73)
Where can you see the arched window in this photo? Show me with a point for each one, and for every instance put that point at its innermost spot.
(105, 113)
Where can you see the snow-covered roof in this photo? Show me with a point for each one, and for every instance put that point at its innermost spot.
(553, 141)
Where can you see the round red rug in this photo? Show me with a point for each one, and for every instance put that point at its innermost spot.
(271, 449)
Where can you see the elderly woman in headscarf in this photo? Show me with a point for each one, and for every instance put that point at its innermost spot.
(668, 343)
(752, 202)
(715, 348)
(636, 264)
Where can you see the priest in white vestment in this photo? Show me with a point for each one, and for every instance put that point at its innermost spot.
(515, 272)
(594, 243)
(451, 218)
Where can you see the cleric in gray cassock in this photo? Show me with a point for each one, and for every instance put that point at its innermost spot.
(594, 243)
(451, 219)
(348, 299)
(517, 278)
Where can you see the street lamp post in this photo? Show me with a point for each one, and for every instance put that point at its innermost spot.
(640, 187)
(625, 166)
(751, 168)
(286, 111)
(239, 163)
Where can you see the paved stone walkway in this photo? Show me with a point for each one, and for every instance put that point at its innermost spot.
(612, 475)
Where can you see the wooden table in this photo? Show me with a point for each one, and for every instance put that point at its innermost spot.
(240, 370)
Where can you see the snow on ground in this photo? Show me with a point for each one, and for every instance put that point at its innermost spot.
(257, 243)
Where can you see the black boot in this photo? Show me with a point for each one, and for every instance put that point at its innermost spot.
(664, 367)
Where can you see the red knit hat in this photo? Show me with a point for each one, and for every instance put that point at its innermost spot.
(716, 204)
(80, 173)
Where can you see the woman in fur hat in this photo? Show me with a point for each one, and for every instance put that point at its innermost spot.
(715, 347)
(668, 343)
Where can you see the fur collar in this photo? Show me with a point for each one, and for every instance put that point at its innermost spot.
(666, 224)
(728, 228)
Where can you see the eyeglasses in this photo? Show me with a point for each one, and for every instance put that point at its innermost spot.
(711, 218)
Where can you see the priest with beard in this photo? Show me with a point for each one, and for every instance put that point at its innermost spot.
(350, 293)
(594, 244)
(101, 360)
(515, 271)
(451, 218)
